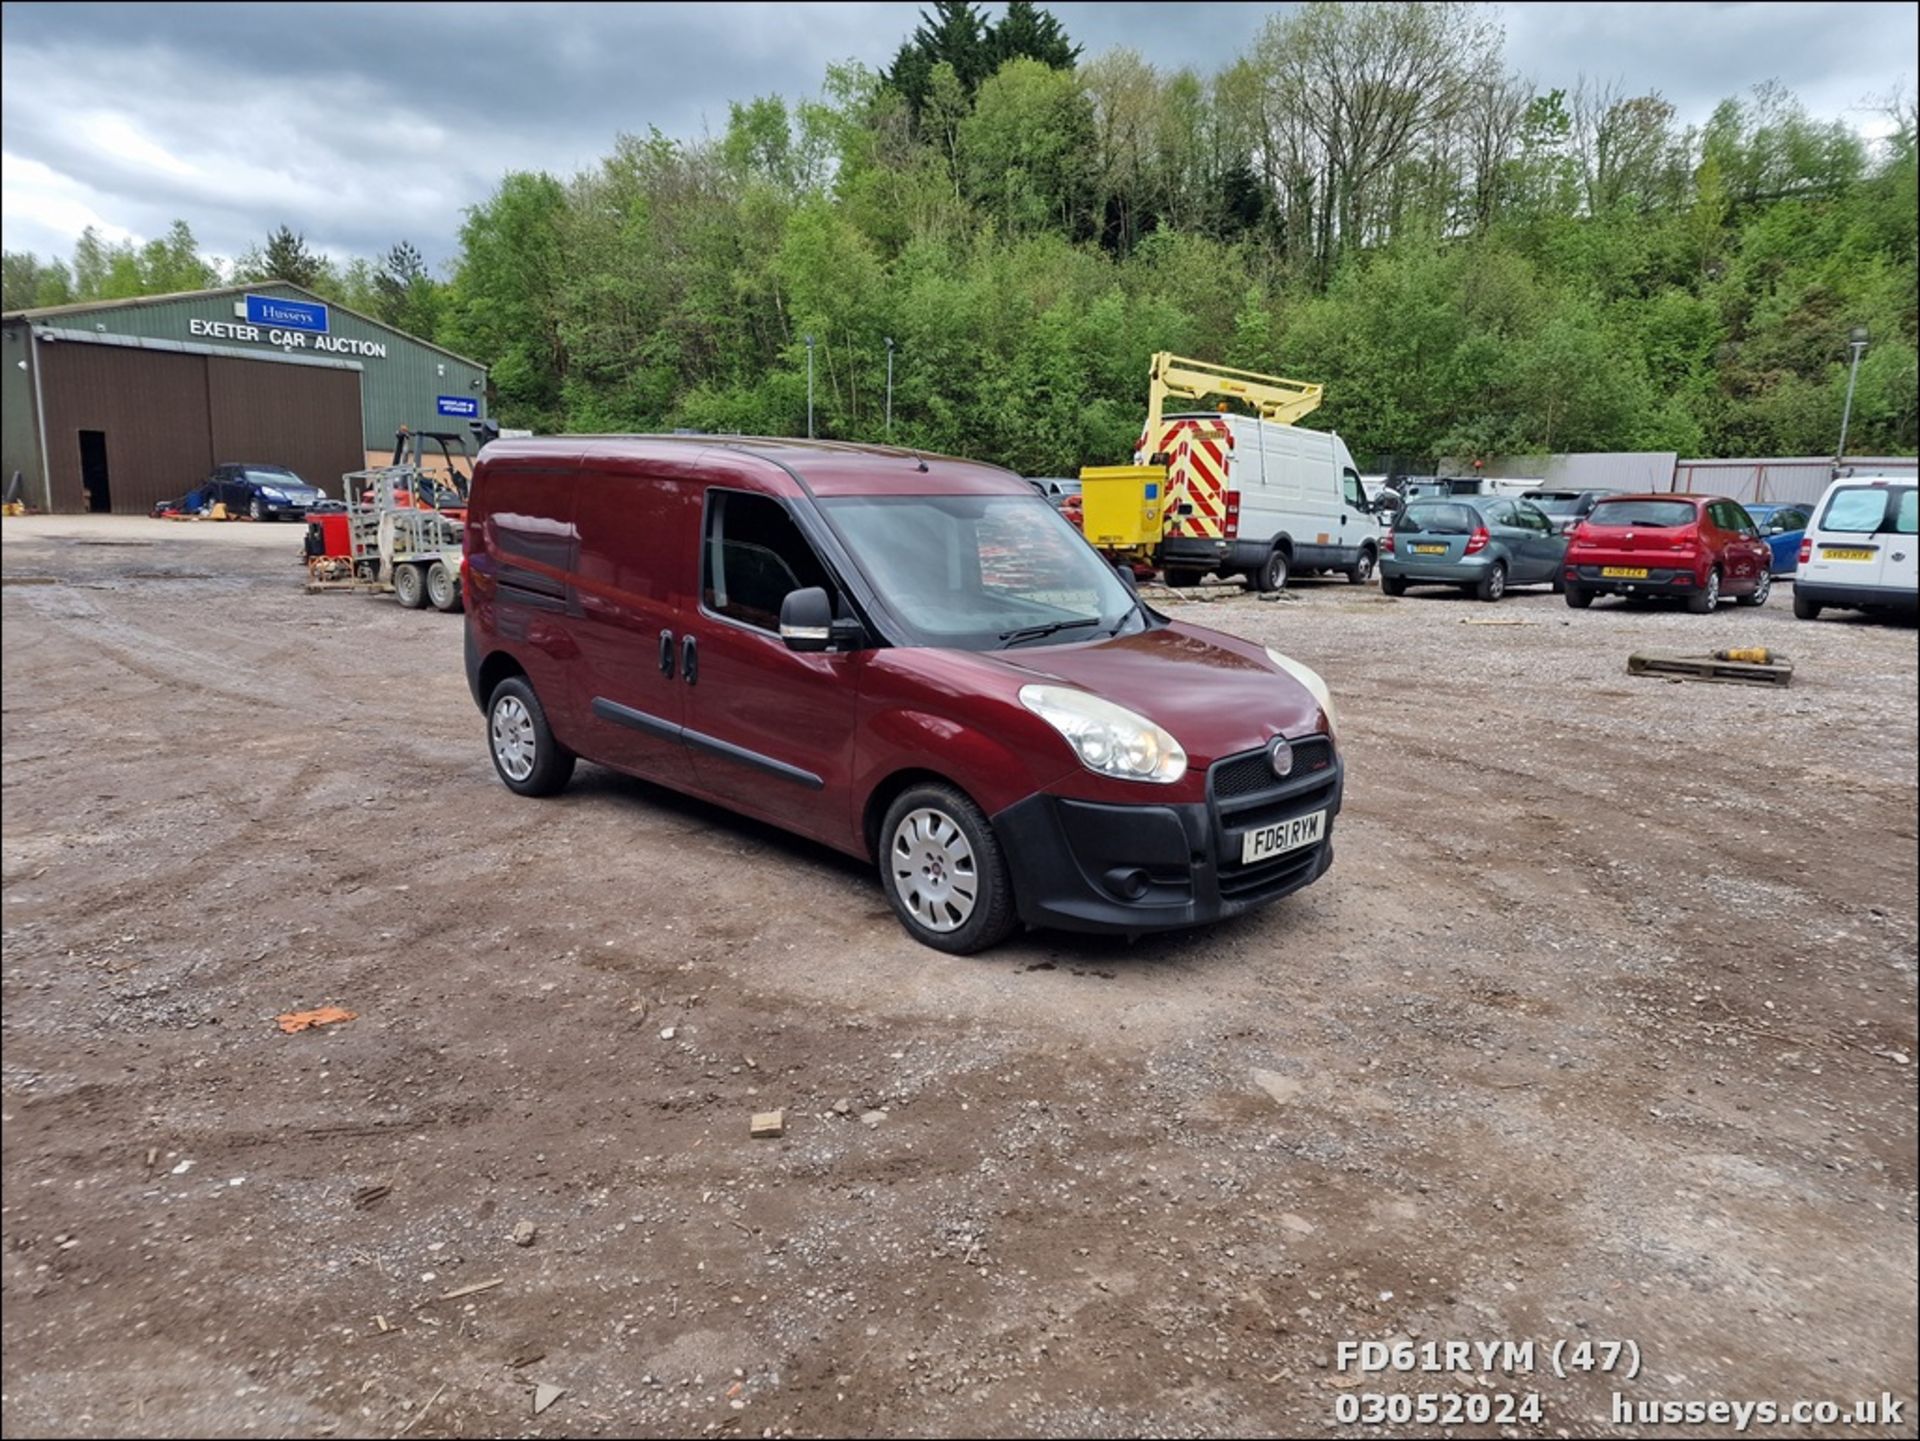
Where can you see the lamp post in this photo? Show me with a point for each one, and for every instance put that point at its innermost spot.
(889, 387)
(1856, 342)
(809, 387)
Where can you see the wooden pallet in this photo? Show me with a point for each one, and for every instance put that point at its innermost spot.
(1676, 666)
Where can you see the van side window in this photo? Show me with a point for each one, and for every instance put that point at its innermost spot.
(753, 557)
(1355, 493)
(1906, 512)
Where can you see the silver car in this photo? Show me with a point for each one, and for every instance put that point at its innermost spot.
(1479, 543)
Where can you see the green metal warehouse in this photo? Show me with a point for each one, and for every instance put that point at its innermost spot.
(115, 405)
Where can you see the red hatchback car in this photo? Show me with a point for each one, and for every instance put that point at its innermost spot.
(1702, 548)
(912, 659)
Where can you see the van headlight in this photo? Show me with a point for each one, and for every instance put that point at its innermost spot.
(1109, 739)
(1311, 680)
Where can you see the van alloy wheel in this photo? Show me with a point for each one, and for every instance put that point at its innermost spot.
(514, 743)
(933, 870)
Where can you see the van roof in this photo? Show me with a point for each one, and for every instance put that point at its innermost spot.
(824, 467)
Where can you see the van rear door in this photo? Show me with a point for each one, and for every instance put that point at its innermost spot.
(1854, 534)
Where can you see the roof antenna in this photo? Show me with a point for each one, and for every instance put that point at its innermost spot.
(918, 464)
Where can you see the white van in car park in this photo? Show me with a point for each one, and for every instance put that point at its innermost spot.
(1859, 550)
(1302, 509)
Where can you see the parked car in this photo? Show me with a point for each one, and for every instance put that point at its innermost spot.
(1859, 553)
(1782, 527)
(1480, 543)
(1567, 508)
(265, 492)
(913, 660)
(1056, 488)
(1699, 548)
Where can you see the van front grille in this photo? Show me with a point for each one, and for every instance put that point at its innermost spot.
(1243, 777)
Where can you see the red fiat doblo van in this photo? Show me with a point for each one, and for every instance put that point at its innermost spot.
(912, 659)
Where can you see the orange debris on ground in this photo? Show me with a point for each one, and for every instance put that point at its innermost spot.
(325, 1016)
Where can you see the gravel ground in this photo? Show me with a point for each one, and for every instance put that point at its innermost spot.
(1601, 1027)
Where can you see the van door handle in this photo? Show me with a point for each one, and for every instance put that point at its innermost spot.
(666, 654)
(689, 659)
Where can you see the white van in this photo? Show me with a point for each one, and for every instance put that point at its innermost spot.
(1300, 504)
(1859, 550)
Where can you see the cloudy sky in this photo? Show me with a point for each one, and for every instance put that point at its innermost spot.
(360, 124)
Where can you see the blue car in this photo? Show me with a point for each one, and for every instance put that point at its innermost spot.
(1782, 526)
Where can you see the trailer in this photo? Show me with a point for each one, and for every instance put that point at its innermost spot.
(399, 530)
(387, 543)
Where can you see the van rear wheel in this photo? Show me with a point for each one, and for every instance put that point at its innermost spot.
(944, 872)
(1181, 578)
(1271, 574)
(526, 757)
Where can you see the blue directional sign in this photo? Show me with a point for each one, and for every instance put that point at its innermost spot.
(458, 405)
(309, 315)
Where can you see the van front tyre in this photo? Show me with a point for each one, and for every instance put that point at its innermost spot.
(1361, 571)
(944, 872)
(526, 757)
(1271, 574)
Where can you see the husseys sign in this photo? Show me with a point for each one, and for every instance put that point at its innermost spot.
(289, 324)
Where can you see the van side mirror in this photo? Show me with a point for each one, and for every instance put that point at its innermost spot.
(806, 619)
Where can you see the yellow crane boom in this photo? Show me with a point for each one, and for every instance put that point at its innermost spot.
(1271, 397)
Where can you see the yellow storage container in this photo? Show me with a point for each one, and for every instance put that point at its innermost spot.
(1120, 505)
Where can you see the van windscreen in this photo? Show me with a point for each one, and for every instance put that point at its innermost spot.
(980, 572)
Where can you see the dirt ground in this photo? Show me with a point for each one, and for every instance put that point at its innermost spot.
(1601, 1027)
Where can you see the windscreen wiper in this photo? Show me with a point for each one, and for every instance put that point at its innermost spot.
(1035, 632)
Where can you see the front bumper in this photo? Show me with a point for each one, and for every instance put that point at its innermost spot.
(1466, 571)
(1128, 869)
(1658, 581)
(1899, 601)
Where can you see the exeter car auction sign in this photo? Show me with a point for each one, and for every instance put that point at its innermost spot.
(289, 324)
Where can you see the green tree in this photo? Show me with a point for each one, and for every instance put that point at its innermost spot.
(504, 302)
(1026, 149)
(286, 257)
